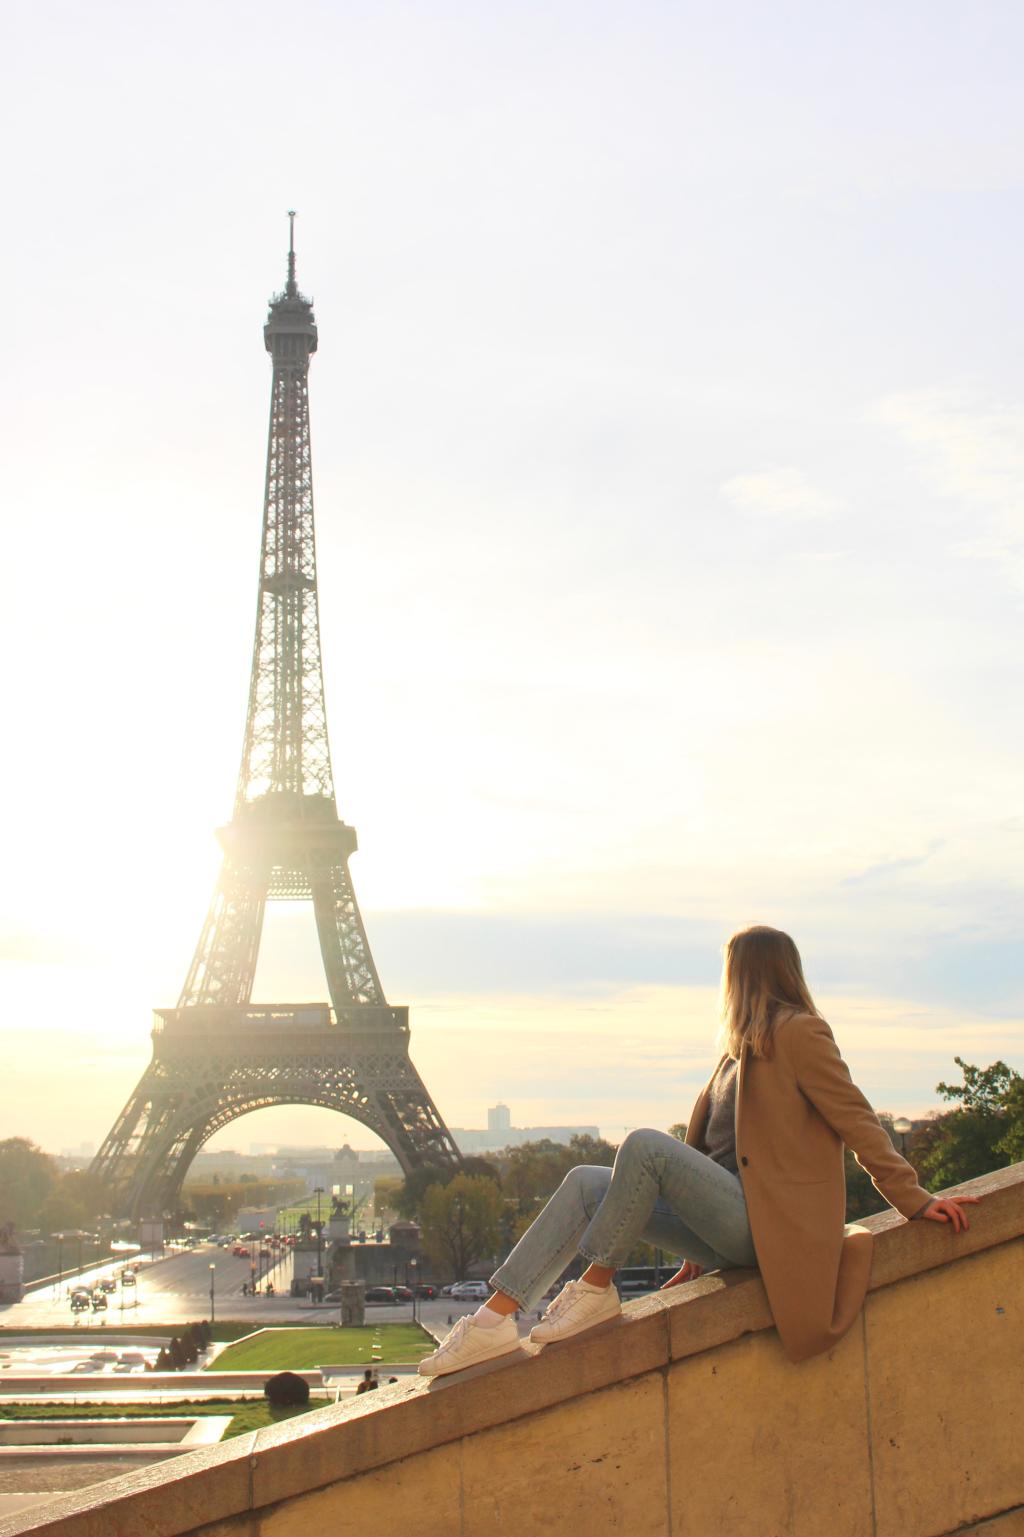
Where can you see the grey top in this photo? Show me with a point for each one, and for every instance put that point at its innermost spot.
(720, 1129)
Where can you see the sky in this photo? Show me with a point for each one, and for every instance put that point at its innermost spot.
(668, 445)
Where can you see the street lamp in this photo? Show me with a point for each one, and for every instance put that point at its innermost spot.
(414, 1267)
(903, 1128)
(60, 1263)
(318, 1192)
(213, 1270)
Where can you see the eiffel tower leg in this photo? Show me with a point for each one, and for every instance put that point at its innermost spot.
(199, 1082)
(224, 964)
(416, 1133)
(126, 1154)
(351, 974)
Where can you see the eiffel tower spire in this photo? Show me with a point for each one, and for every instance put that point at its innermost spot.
(217, 1056)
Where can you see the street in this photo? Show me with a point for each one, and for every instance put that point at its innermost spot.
(176, 1290)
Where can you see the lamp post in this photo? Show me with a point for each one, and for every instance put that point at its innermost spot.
(318, 1192)
(414, 1267)
(902, 1127)
(60, 1263)
(213, 1271)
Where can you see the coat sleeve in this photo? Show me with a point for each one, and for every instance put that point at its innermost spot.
(824, 1078)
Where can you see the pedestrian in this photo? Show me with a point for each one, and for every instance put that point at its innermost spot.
(759, 1181)
(368, 1384)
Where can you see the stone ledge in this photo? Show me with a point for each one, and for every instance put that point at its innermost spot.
(329, 1445)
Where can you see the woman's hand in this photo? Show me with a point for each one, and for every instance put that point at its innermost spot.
(947, 1209)
(688, 1271)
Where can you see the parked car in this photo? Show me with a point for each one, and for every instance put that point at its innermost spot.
(403, 1293)
(380, 1294)
(470, 1291)
(426, 1290)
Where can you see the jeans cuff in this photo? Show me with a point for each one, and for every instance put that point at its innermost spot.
(506, 1291)
(599, 1259)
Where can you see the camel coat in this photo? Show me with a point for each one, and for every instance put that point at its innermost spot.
(794, 1113)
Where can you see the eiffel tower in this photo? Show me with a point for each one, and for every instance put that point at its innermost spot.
(217, 1055)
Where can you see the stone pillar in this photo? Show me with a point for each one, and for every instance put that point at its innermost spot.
(353, 1304)
(12, 1267)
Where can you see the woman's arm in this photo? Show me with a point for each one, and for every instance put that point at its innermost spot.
(824, 1078)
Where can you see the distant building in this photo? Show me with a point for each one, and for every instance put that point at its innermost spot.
(326, 1166)
(501, 1133)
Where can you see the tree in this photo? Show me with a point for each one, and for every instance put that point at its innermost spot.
(409, 1198)
(385, 1191)
(60, 1210)
(584, 1148)
(462, 1221)
(533, 1171)
(27, 1177)
(984, 1132)
(862, 1199)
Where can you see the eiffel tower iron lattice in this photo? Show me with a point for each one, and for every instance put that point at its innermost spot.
(218, 1056)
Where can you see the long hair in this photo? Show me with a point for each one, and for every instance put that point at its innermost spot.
(761, 974)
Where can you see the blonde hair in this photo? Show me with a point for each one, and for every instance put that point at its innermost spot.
(761, 975)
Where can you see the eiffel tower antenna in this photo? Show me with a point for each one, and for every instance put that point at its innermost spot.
(291, 290)
(218, 1055)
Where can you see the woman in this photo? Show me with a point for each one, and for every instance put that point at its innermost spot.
(758, 1181)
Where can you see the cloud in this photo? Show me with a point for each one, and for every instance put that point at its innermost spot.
(892, 866)
(935, 941)
(971, 449)
(784, 493)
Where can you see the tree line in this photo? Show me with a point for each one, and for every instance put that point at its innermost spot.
(477, 1212)
(38, 1196)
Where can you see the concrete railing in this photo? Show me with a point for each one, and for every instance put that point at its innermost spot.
(683, 1419)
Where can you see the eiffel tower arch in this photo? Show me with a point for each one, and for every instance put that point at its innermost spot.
(217, 1055)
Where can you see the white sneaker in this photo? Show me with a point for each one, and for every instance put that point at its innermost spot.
(577, 1307)
(468, 1344)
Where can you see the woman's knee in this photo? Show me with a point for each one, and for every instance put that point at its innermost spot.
(588, 1183)
(640, 1141)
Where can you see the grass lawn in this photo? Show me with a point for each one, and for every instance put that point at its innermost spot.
(303, 1349)
(245, 1416)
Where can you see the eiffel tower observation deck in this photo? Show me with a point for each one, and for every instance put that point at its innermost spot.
(217, 1055)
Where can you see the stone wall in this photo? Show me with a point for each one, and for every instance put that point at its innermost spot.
(684, 1419)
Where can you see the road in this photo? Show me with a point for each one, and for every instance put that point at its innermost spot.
(176, 1290)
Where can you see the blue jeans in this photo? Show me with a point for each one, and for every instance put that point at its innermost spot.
(660, 1190)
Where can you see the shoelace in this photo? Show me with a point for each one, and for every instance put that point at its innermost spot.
(566, 1297)
(455, 1334)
